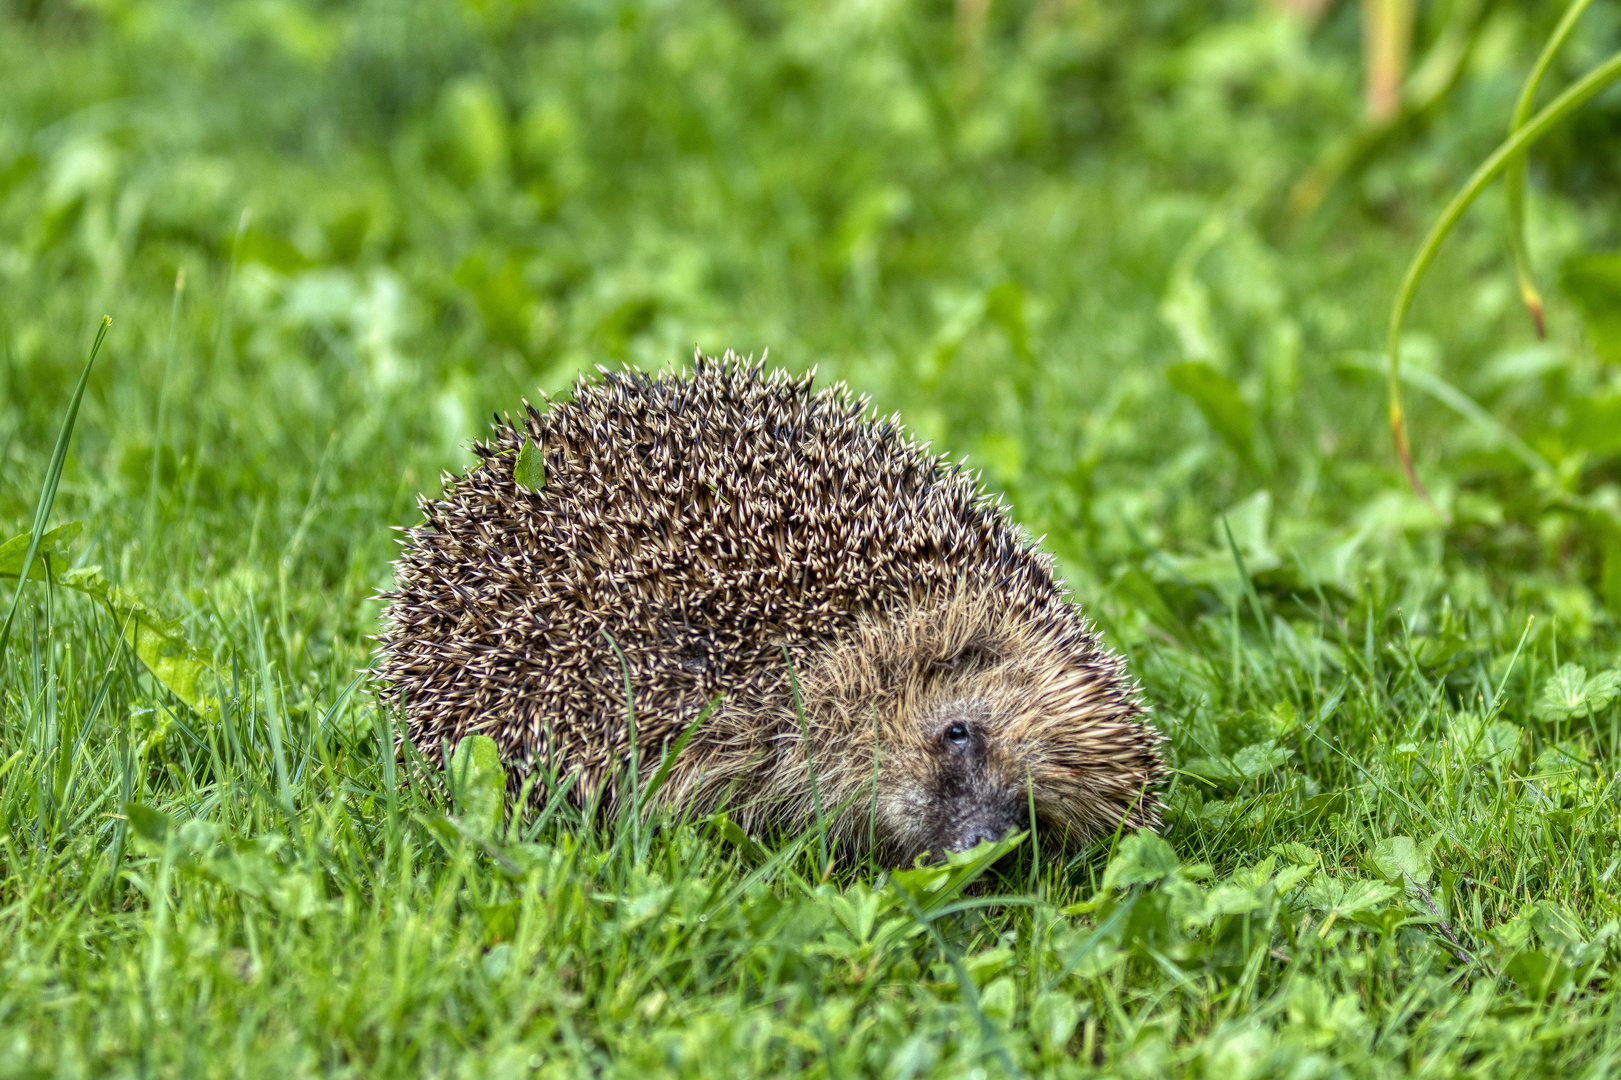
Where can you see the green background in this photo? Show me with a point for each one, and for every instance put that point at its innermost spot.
(1058, 240)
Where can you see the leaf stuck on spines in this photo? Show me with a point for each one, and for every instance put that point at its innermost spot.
(530, 472)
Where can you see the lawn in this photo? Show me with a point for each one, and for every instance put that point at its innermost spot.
(1135, 261)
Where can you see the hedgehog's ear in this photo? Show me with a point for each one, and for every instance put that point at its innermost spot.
(974, 653)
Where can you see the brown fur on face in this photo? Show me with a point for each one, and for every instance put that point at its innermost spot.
(935, 727)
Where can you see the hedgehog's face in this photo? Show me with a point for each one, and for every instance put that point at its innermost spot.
(979, 720)
(954, 776)
(994, 735)
(949, 780)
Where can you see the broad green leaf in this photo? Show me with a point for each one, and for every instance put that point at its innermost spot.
(52, 546)
(500, 924)
(1250, 726)
(936, 884)
(1053, 1018)
(1258, 759)
(1347, 898)
(1298, 853)
(1250, 520)
(480, 784)
(442, 829)
(921, 882)
(199, 835)
(1000, 999)
(1325, 804)
(1219, 400)
(733, 833)
(473, 126)
(858, 910)
(1231, 898)
(530, 472)
(1384, 920)
(1538, 974)
(1474, 740)
(1187, 307)
(982, 967)
(1593, 283)
(1560, 763)
(1365, 895)
(157, 641)
(1290, 876)
(1141, 859)
(1248, 763)
(1399, 860)
(1570, 694)
(1216, 770)
(149, 824)
(182, 668)
(1557, 926)
(296, 895)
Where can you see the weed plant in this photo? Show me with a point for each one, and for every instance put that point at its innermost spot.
(1062, 238)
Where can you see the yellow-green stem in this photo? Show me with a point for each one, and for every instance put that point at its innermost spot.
(1514, 177)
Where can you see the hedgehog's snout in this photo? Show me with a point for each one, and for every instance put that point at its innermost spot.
(973, 795)
(983, 823)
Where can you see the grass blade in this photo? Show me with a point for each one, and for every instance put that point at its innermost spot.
(673, 752)
(53, 477)
(1462, 404)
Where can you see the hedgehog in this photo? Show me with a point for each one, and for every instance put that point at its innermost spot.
(826, 624)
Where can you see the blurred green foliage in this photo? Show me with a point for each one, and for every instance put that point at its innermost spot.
(334, 237)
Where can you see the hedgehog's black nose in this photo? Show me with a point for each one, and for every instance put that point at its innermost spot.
(978, 834)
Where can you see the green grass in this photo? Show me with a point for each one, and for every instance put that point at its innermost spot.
(333, 238)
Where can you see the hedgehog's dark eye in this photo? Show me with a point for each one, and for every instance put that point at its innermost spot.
(957, 734)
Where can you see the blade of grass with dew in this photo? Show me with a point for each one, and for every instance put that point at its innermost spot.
(53, 477)
(1545, 121)
(1514, 178)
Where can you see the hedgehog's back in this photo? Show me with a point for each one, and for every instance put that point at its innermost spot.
(701, 523)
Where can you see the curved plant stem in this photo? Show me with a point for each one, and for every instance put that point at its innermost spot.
(1557, 110)
(1514, 177)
